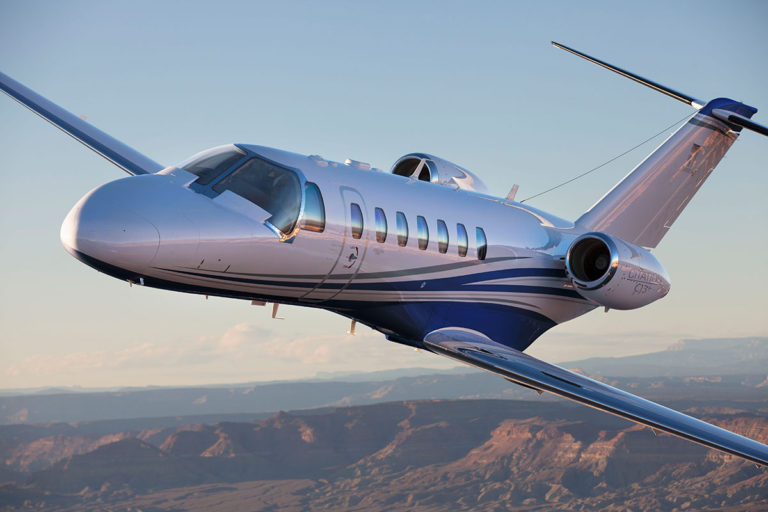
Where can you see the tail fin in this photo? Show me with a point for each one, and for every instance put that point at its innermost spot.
(643, 206)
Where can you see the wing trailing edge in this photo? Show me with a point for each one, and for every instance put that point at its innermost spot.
(475, 349)
(123, 156)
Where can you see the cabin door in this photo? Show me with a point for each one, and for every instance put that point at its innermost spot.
(354, 245)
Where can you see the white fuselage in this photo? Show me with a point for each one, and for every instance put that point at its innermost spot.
(157, 230)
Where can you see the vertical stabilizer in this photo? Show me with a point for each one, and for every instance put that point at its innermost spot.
(643, 206)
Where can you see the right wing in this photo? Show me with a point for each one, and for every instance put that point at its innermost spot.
(474, 348)
(125, 157)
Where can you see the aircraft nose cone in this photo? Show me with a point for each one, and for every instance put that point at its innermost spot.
(102, 227)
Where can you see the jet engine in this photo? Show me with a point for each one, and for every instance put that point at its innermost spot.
(614, 273)
(424, 167)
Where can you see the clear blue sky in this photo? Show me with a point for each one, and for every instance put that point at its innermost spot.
(474, 82)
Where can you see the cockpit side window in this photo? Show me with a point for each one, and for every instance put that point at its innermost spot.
(211, 164)
(274, 189)
(314, 209)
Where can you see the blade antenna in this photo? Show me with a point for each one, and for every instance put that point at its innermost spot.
(690, 100)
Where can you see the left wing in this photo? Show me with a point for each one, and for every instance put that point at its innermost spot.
(123, 156)
(476, 349)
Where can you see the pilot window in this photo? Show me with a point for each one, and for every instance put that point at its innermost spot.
(423, 231)
(381, 226)
(402, 229)
(272, 188)
(461, 240)
(211, 164)
(482, 243)
(442, 236)
(356, 217)
(314, 209)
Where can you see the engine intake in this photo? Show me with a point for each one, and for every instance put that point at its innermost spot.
(614, 273)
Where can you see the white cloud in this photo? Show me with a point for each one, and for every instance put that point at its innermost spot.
(234, 338)
(243, 352)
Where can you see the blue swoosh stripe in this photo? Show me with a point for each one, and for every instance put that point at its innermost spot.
(433, 285)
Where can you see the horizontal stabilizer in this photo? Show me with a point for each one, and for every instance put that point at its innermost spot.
(473, 348)
(125, 157)
(690, 100)
(743, 122)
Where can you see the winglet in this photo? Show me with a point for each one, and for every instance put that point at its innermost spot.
(123, 156)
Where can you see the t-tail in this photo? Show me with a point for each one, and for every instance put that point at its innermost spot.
(642, 207)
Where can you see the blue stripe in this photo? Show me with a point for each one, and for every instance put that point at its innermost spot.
(453, 284)
(515, 327)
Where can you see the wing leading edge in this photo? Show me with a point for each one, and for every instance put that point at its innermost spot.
(475, 349)
(123, 156)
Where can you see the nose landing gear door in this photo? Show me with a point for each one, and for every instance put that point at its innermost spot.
(352, 251)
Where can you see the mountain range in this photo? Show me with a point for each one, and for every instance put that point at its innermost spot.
(389, 442)
(743, 363)
(424, 455)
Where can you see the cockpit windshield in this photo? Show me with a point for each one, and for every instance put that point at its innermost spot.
(274, 189)
(209, 164)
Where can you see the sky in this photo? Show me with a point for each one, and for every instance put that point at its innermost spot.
(476, 83)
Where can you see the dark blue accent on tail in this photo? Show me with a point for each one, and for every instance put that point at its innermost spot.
(731, 106)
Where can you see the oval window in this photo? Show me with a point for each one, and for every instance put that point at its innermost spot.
(462, 241)
(402, 229)
(381, 226)
(482, 243)
(356, 218)
(442, 236)
(423, 230)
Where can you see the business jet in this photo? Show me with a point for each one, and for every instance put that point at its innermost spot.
(423, 253)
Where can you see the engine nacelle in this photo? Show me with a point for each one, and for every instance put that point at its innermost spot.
(424, 167)
(614, 273)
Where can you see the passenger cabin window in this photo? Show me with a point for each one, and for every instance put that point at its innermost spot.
(209, 165)
(462, 240)
(272, 188)
(442, 236)
(314, 209)
(423, 231)
(402, 229)
(356, 217)
(381, 226)
(482, 243)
